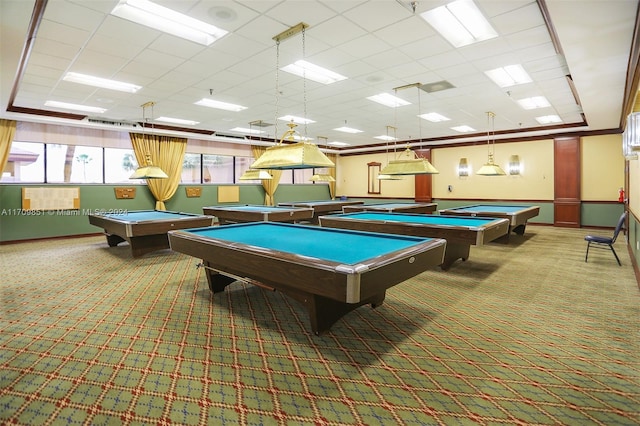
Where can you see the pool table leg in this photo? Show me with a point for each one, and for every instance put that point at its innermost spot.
(519, 229)
(453, 252)
(140, 245)
(504, 239)
(144, 244)
(217, 281)
(324, 312)
(113, 240)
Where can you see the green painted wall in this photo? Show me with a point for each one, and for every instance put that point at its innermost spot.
(600, 214)
(597, 215)
(633, 238)
(16, 224)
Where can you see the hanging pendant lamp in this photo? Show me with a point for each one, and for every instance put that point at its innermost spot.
(395, 138)
(148, 170)
(408, 163)
(251, 174)
(389, 177)
(322, 177)
(490, 168)
(299, 155)
(293, 155)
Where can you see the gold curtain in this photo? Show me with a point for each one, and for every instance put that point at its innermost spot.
(7, 132)
(269, 185)
(332, 172)
(167, 153)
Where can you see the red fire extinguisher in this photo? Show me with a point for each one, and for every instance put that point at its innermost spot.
(621, 195)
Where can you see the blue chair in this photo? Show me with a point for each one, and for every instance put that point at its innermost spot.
(604, 242)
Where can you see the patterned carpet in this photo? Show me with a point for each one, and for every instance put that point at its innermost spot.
(525, 333)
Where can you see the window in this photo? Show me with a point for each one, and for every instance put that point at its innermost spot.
(57, 163)
(191, 168)
(25, 163)
(119, 164)
(287, 176)
(242, 165)
(71, 163)
(217, 169)
(302, 175)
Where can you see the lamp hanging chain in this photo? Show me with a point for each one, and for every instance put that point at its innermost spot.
(151, 118)
(144, 136)
(144, 121)
(275, 121)
(304, 81)
(419, 119)
(395, 125)
(493, 134)
(146, 139)
(490, 133)
(387, 147)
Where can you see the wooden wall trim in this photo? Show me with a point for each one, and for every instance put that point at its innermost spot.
(423, 183)
(566, 185)
(34, 24)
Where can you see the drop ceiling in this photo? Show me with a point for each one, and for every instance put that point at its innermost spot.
(379, 45)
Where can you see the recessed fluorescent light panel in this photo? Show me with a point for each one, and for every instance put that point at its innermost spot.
(508, 76)
(388, 100)
(534, 102)
(90, 80)
(386, 138)
(338, 143)
(74, 107)
(248, 131)
(151, 15)
(460, 22)
(177, 121)
(548, 119)
(313, 72)
(297, 120)
(347, 130)
(434, 117)
(211, 103)
(463, 129)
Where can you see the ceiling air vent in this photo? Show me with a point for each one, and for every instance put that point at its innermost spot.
(229, 135)
(437, 86)
(112, 123)
(260, 123)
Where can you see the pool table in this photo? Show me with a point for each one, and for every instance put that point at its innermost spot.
(256, 213)
(393, 208)
(517, 215)
(459, 231)
(330, 271)
(145, 230)
(322, 207)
